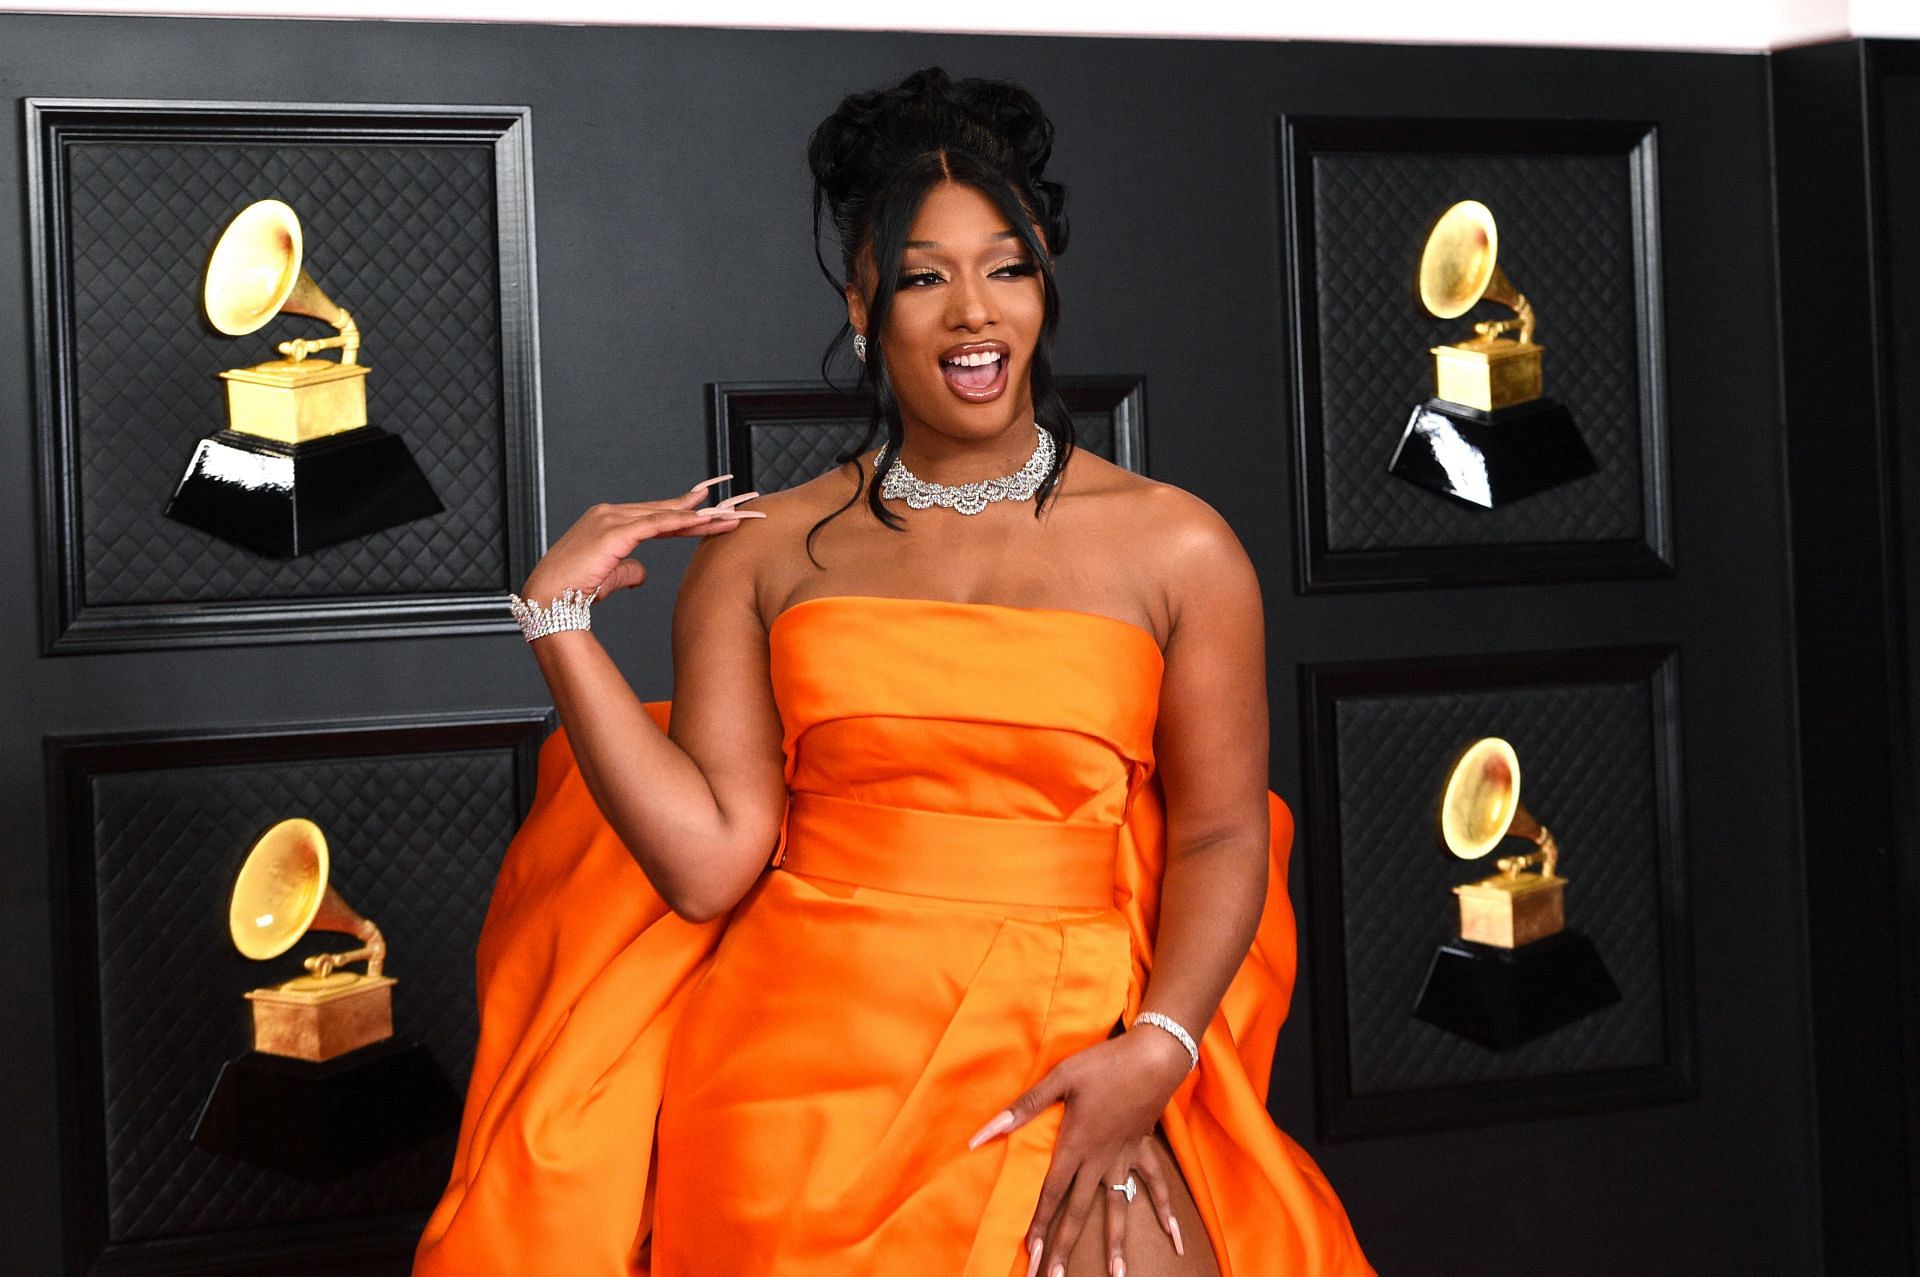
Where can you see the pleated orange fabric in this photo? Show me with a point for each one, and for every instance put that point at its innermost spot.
(965, 891)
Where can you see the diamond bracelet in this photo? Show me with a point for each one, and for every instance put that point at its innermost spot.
(1159, 1021)
(568, 612)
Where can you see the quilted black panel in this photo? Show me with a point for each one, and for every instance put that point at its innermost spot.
(1566, 240)
(1094, 432)
(403, 236)
(789, 453)
(416, 839)
(1587, 761)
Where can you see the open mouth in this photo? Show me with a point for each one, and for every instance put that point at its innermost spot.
(977, 373)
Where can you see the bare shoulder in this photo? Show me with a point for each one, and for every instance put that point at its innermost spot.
(1187, 546)
(761, 556)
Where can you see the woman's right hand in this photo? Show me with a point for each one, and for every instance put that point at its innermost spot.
(597, 550)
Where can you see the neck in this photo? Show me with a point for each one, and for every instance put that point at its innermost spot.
(942, 459)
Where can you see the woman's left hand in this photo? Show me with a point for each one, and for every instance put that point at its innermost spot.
(1114, 1092)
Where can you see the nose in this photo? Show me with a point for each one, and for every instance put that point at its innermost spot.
(970, 305)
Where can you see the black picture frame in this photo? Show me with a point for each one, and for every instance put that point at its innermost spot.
(291, 607)
(1342, 1112)
(1501, 558)
(76, 769)
(738, 408)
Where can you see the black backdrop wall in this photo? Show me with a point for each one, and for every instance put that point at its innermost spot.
(672, 252)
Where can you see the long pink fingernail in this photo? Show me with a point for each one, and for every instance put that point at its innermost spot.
(1058, 1270)
(1033, 1248)
(1173, 1226)
(1001, 1121)
(704, 484)
(742, 496)
(1118, 1267)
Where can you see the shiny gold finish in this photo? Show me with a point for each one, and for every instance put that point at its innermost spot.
(318, 1024)
(1513, 908)
(254, 274)
(281, 894)
(1459, 268)
(295, 402)
(1487, 373)
(1481, 798)
(1479, 807)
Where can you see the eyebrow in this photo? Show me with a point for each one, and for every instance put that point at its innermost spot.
(934, 243)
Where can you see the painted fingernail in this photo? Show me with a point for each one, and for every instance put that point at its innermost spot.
(743, 496)
(1058, 1270)
(1173, 1226)
(1001, 1121)
(704, 484)
(1118, 1268)
(1033, 1250)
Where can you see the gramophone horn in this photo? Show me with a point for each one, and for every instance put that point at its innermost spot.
(255, 274)
(1481, 804)
(1460, 266)
(282, 893)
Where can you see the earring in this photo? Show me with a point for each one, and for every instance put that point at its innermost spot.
(860, 347)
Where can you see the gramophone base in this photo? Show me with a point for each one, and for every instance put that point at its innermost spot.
(1503, 997)
(289, 499)
(320, 1026)
(323, 1121)
(1487, 459)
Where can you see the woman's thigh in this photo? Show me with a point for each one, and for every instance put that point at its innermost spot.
(1148, 1249)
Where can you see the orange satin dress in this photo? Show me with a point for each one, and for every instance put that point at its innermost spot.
(964, 892)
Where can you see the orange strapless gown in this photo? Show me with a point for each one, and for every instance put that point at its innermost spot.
(965, 892)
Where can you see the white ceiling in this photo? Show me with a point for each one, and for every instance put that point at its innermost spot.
(1654, 24)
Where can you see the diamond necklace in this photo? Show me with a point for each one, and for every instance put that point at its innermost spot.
(971, 498)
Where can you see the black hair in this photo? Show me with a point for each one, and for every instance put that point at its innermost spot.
(874, 160)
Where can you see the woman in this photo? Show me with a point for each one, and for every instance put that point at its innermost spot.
(994, 710)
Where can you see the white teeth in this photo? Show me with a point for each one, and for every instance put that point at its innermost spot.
(975, 359)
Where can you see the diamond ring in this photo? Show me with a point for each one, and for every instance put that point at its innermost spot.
(1129, 1188)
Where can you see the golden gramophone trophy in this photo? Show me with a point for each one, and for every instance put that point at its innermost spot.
(1515, 972)
(298, 467)
(327, 1089)
(283, 893)
(1488, 436)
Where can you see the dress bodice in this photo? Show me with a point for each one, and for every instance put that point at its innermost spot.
(906, 703)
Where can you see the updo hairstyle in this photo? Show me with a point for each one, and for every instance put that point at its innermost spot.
(874, 160)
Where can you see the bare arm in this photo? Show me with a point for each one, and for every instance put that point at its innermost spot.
(1211, 749)
(700, 809)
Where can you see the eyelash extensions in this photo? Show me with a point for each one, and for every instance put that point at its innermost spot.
(1012, 270)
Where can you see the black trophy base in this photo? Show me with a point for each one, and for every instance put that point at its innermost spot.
(1503, 997)
(289, 499)
(324, 1121)
(1487, 459)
